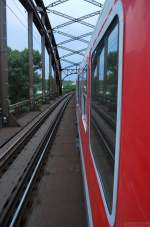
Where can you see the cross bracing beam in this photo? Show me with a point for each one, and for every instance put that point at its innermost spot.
(56, 3)
(67, 55)
(70, 62)
(94, 3)
(73, 19)
(73, 51)
(71, 36)
(74, 39)
(80, 20)
(70, 71)
(72, 65)
(67, 67)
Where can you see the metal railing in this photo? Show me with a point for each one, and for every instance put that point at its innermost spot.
(27, 105)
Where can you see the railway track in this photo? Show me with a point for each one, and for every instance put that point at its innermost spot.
(12, 148)
(27, 155)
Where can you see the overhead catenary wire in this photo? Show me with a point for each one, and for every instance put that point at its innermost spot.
(21, 22)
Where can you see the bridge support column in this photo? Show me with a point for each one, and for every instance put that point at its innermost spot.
(4, 99)
(30, 48)
(50, 75)
(43, 59)
(56, 83)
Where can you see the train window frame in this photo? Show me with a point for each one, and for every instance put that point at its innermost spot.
(117, 12)
(84, 98)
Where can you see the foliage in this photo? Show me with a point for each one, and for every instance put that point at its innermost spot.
(18, 70)
(68, 86)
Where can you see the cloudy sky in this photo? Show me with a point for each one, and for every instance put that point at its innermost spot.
(17, 26)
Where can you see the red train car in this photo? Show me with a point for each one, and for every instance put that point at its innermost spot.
(113, 113)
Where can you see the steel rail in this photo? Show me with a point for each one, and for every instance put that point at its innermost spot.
(21, 195)
(12, 151)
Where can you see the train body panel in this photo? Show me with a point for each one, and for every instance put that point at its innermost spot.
(129, 183)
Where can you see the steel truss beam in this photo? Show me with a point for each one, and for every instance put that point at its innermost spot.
(73, 19)
(74, 39)
(93, 2)
(80, 20)
(67, 55)
(75, 64)
(71, 36)
(72, 65)
(69, 72)
(56, 3)
(70, 62)
(73, 51)
(72, 68)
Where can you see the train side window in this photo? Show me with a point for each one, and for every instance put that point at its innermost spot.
(104, 87)
(84, 96)
(79, 90)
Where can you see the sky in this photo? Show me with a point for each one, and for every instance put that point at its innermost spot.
(17, 26)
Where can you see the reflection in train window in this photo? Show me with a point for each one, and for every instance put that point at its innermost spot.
(84, 95)
(104, 86)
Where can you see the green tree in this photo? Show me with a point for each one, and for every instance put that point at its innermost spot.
(18, 69)
(68, 86)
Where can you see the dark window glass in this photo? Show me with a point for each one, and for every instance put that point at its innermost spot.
(101, 78)
(85, 80)
(112, 74)
(84, 92)
(104, 83)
